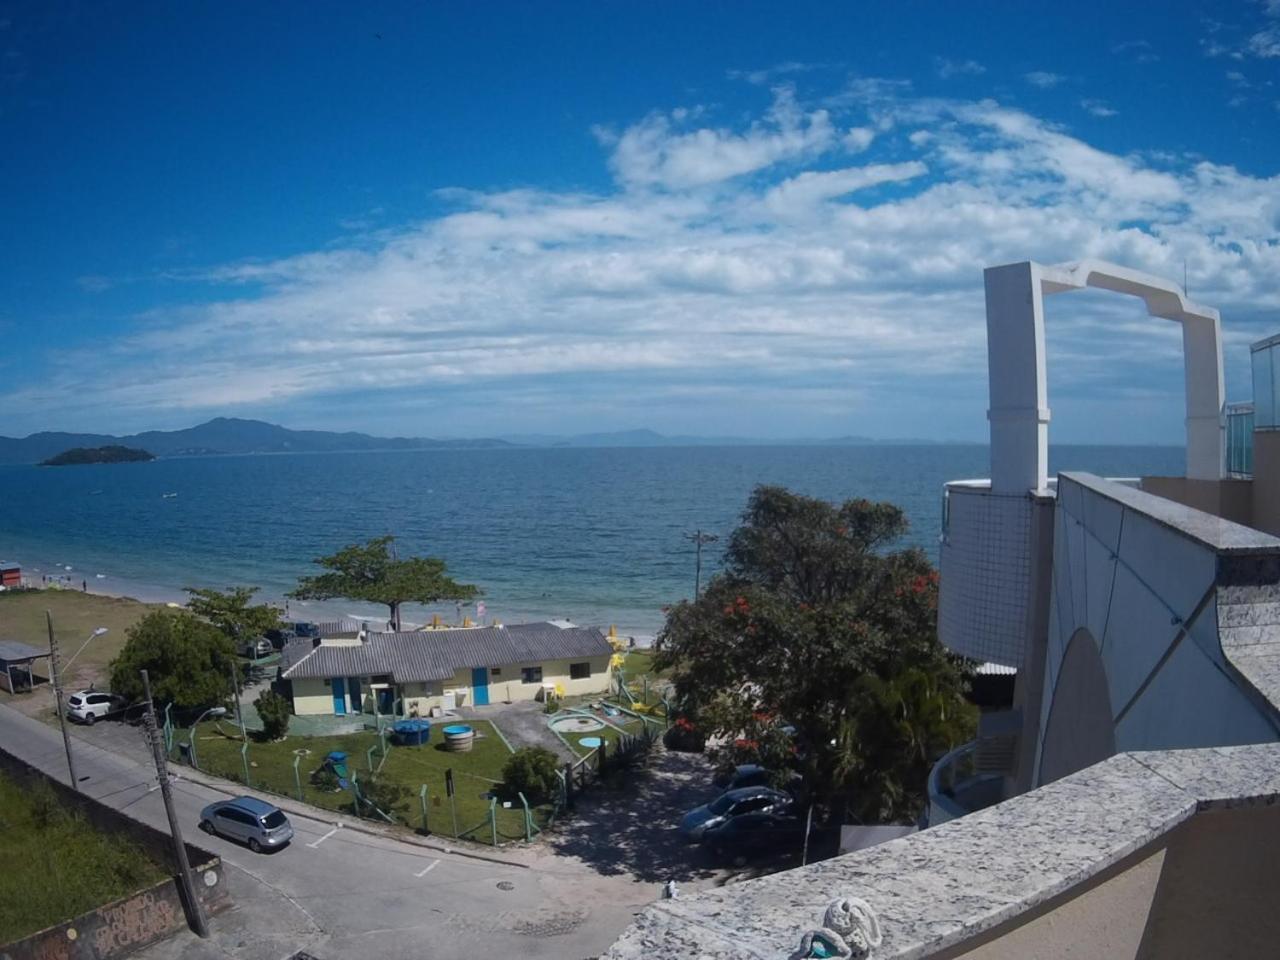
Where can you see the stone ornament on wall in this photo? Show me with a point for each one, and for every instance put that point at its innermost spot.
(850, 928)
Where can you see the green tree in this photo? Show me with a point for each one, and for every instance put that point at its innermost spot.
(818, 630)
(186, 659)
(370, 572)
(275, 711)
(229, 610)
(533, 771)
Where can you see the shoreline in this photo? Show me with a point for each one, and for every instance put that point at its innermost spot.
(70, 578)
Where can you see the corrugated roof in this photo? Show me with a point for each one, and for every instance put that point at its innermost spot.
(337, 628)
(437, 654)
(12, 650)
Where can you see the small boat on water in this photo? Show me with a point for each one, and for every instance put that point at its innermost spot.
(167, 496)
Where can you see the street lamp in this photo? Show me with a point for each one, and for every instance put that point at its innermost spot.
(211, 712)
(56, 668)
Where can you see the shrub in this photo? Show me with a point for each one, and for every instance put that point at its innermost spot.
(326, 780)
(685, 737)
(382, 796)
(533, 771)
(274, 711)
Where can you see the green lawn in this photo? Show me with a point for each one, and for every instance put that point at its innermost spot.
(475, 774)
(75, 616)
(54, 866)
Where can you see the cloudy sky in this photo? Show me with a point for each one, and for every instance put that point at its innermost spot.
(747, 218)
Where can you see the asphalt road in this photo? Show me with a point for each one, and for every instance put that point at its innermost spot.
(337, 892)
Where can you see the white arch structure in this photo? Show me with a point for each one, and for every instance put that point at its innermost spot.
(1019, 412)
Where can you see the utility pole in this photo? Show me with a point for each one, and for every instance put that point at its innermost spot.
(235, 688)
(198, 922)
(55, 668)
(699, 539)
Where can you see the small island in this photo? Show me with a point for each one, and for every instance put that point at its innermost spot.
(110, 454)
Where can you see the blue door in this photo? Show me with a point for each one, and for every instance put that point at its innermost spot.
(480, 686)
(339, 697)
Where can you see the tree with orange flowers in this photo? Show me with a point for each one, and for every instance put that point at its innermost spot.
(816, 649)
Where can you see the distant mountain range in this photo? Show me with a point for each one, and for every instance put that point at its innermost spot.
(223, 435)
(228, 435)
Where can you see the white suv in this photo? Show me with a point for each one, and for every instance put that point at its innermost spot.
(89, 705)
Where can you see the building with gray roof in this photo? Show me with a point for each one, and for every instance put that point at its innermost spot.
(416, 672)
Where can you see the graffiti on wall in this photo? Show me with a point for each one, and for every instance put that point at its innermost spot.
(136, 921)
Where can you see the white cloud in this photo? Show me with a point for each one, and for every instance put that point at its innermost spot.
(659, 152)
(957, 68)
(1099, 108)
(1043, 79)
(1140, 50)
(744, 261)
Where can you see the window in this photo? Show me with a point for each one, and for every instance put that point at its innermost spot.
(273, 819)
(750, 806)
(531, 674)
(495, 671)
(579, 671)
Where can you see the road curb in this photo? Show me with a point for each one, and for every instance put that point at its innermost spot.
(319, 813)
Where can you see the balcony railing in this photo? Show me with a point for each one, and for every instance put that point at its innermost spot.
(1239, 440)
(958, 786)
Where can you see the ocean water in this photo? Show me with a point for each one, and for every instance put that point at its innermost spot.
(590, 534)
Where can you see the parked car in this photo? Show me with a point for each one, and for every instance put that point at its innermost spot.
(254, 822)
(743, 775)
(728, 805)
(90, 706)
(751, 835)
(302, 628)
(280, 636)
(255, 648)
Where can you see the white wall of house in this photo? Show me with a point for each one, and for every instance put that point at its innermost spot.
(507, 683)
(312, 698)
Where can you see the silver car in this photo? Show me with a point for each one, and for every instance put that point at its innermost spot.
(254, 822)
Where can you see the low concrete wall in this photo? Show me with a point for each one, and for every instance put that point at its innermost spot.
(1205, 890)
(1266, 481)
(119, 928)
(1229, 499)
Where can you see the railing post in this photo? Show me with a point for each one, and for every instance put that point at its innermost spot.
(528, 818)
(368, 757)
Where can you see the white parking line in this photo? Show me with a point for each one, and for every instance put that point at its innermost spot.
(320, 840)
(431, 866)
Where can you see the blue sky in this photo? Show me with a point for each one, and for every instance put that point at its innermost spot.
(765, 219)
